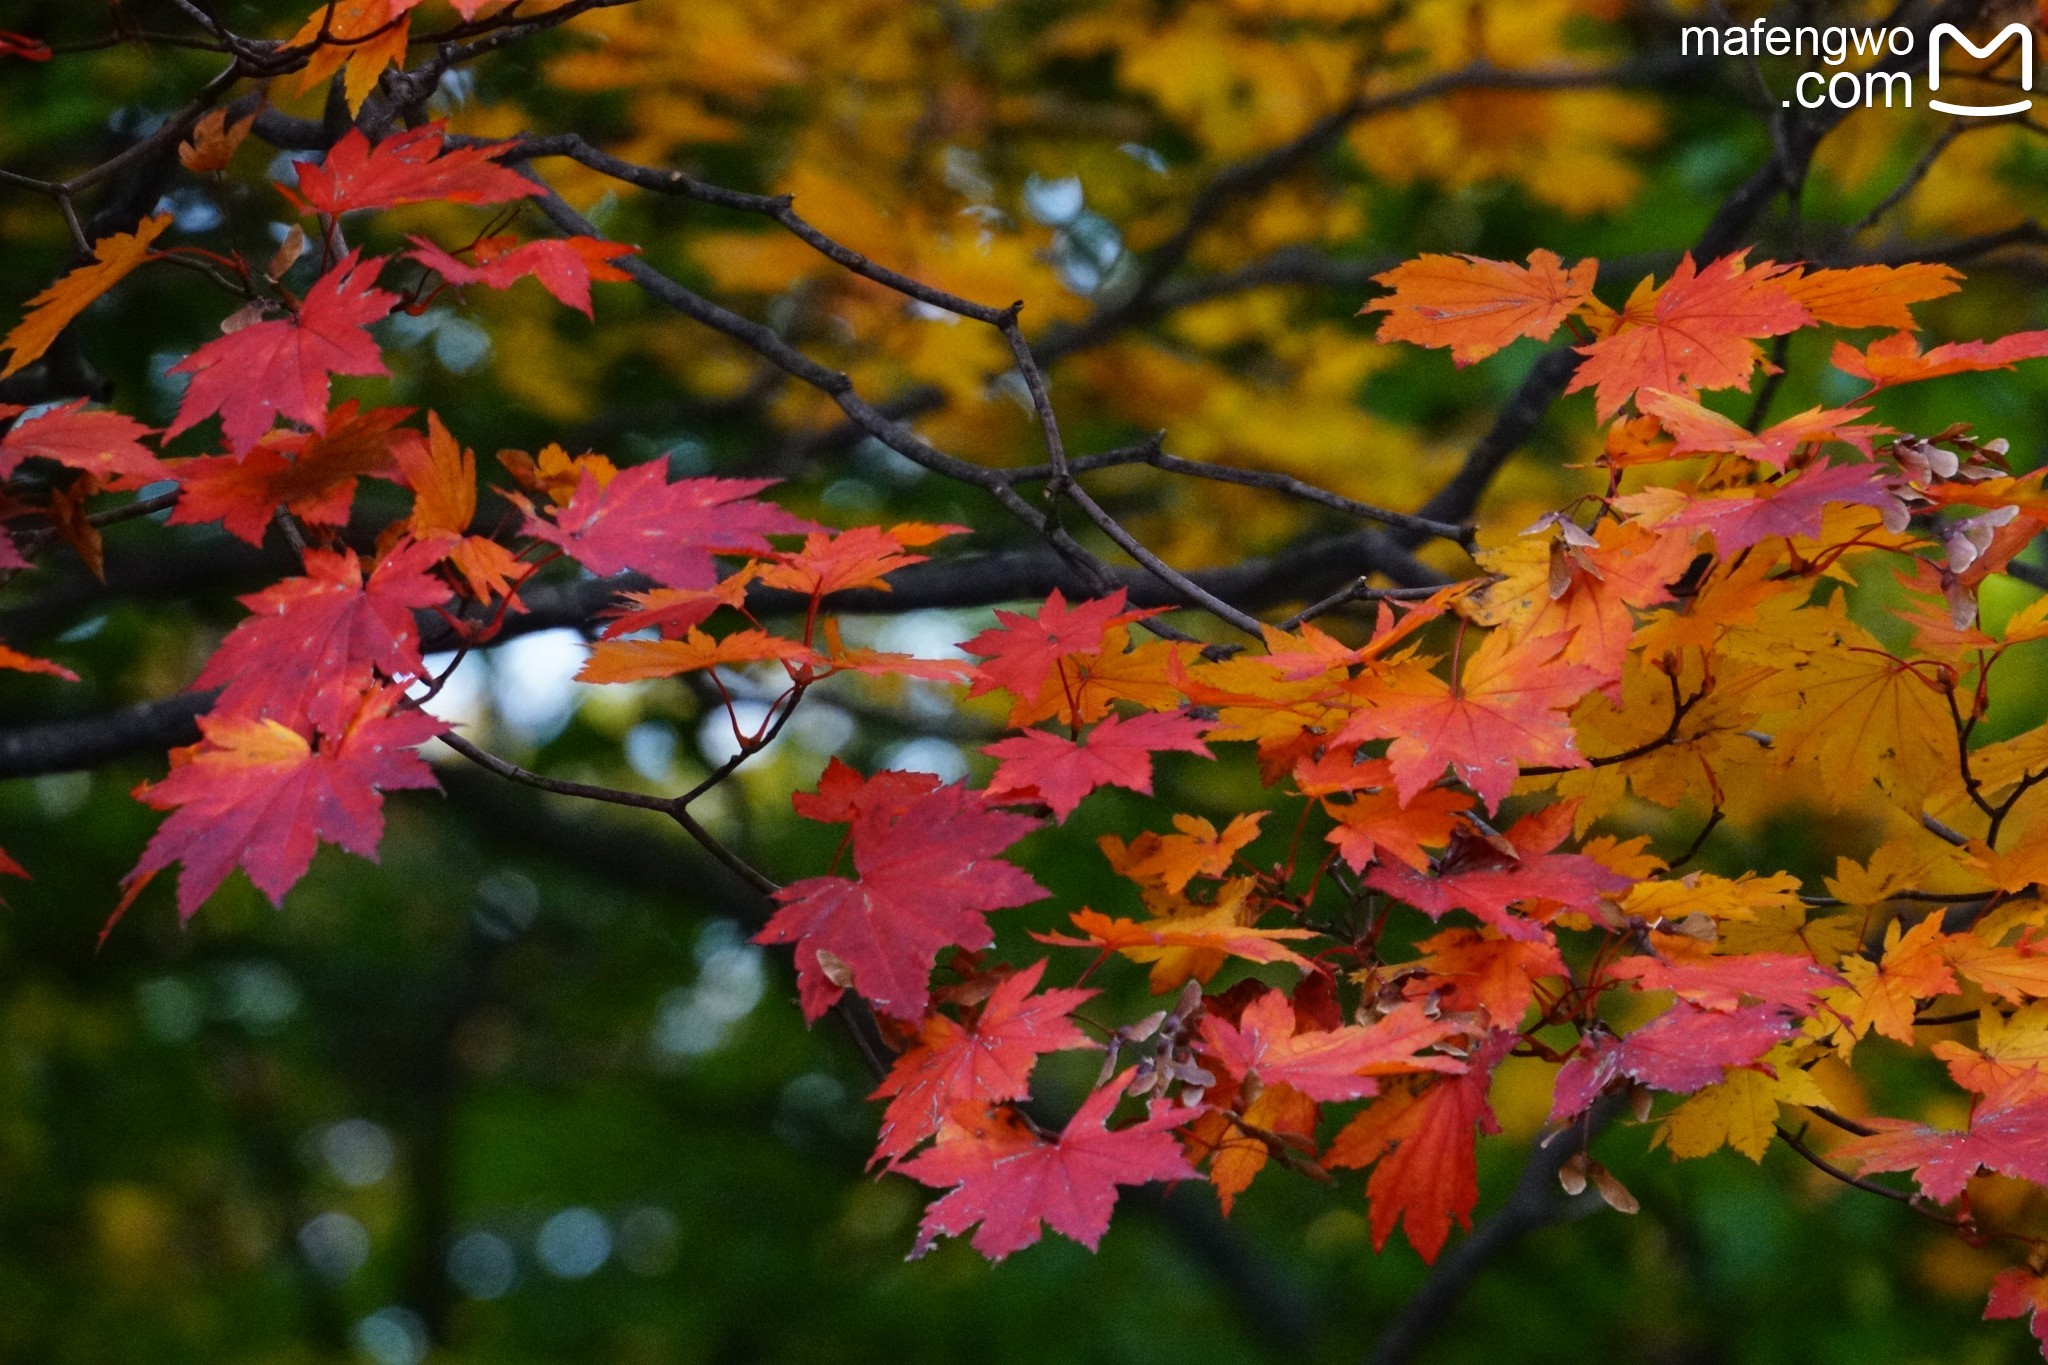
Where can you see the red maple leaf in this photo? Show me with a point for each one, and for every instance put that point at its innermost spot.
(2011, 1139)
(1425, 1143)
(1325, 1064)
(1023, 652)
(280, 368)
(1013, 1182)
(1793, 508)
(1477, 874)
(668, 531)
(313, 638)
(314, 475)
(565, 266)
(1694, 332)
(1722, 983)
(262, 796)
(406, 168)
(843, 794)
(1508, 708)
(105, 445)
(2017, 1293)
(928, 876)
(26, 48)
(1679, 1051)
(1059, 771)
(981, 1063)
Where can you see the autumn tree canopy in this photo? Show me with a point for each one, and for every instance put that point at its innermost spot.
(1347, 630)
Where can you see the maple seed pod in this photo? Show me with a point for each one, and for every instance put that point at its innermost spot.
(1572, 1175)
(1613, 1191)
(835, 969)
(1639, 1101)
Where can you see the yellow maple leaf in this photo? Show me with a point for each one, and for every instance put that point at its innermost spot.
(1741, 1111)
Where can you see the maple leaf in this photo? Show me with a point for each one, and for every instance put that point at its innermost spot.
(1507, 709)
(668, 531)
(843, 793)
(51, 311)
(1059, 771)
(1884, 994)
(2010, 1060)
(1784, 980)
(442, 476)
(927, 878)
(24, 47)
(1741, 519)
(1012, 1182)
(311, 475)
(1425, 1145)
(861, 557)
(616, 661)
(1696, 331)
(364, 37)
(441, 472)
(1237, 1146)
(1740, 1111)
(877, 663)
(2020, 1293)
(1195, 849)
(1696, 428)
(406, 168)
(984, 1062)
(1476, 306)
(18, 662)
(281, 367)
(214, 141)
(1376, 824)
(311, 639)
(106, 445)
(1219, 931)
(1024, 652)
(261, 795)
(1469, 969)
(1681, 1050)
(1897, 359)
(2011, 1139)
(1872, 295)
(2015, 974)
(676, 611)
(1479, 876)
(1326, 1064)
(565, 266)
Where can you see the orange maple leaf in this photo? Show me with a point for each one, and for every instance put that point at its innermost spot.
(51, 311)
(1507, 710)
(1897, 359)
(1696, 331)
(614, 661)
(1872, 295)
(1476, 306)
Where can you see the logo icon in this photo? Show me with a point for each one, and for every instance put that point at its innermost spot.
(2026, 37)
